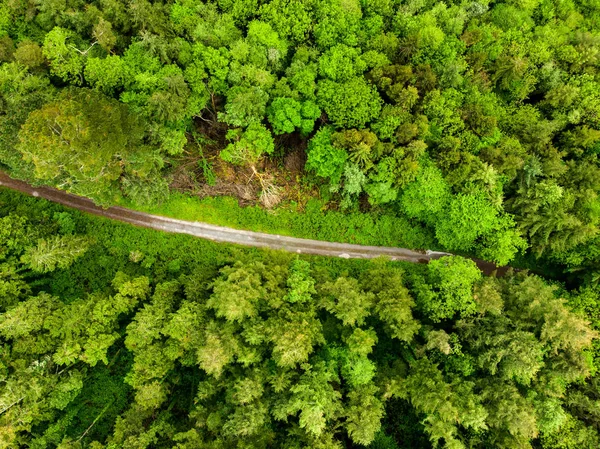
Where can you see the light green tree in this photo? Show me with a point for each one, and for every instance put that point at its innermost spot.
(55, 252)
(81, 141)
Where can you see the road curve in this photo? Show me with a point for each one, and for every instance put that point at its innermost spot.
(235, 236)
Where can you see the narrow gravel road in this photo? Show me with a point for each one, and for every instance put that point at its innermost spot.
(236, 236)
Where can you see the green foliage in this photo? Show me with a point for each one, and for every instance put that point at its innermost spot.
(359, 144)
(348, 104)
(245, 105)
(301, 285)
(499, 407)
(354, 181)
(29, 54)
(166, 338)
(461, 221)
(248, 146)
(469, 127)
(60, 140)
(341, 63)
(105, 74)
(66, 60)
(291, 20)
(466, 218)
(325, 159)
(58, 252)
(447, 289)
(502, 99)
(393, 302)
(347, 302)
(21, 93)
(426, 198)
(286, 115)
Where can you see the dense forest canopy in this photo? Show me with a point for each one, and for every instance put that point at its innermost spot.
(479, 120)
(476, 122)
(117, 337)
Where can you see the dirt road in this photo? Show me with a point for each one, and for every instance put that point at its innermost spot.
(236, 236)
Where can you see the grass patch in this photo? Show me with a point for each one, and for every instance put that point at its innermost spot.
(313, 222)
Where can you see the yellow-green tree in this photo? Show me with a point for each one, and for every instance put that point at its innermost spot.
(81, 142)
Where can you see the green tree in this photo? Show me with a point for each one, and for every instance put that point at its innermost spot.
(248, 146)
(57, 252)
(81, 141)
(447, 289)
(360, 145)
(245, 105)
(21, 93)
(66, 60)
(346, 301)
(352, 103)
(29, 54)
(341, 63)
(291, 20)
(105, 74)
(467, 217)
(324, 158)
(393, 302)
(427, 197)
(286, 115)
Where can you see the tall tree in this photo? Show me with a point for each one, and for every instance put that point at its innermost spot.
(82, 142)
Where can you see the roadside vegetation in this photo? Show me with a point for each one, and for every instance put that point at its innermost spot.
(313, 220)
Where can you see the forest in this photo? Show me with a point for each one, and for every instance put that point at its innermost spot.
(476, 121)
(471, 127)
(119, 337)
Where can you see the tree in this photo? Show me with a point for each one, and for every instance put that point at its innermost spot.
(441, 402)
(236, 297)
(104, 35)
(549, 215)
(105, 74)
(314, 400)
(427, 197)
(248, 146)
(325, 159)
(302, 72)
(349, 104)
(15, 237)
(291, 20)
(287, 115)
(447, 289)
(341, 63)
(274, 48)
(29, 54)
(245, 105)
(360, 145)
(66, 60)
(364, 415)
(81, 141)
(337, 22)
(347, 302)
(468, 217)
(294, 333)
(7, 49)
(58, 252)
(21, 93)
(393, 303)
